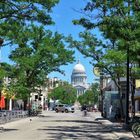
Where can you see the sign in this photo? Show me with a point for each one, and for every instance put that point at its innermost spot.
(138, 83)
(96, 71)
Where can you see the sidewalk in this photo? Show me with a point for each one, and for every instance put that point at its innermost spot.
(16, 122)
(108, 129)
(116, 128)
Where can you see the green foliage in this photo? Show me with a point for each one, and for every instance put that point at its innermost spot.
(36, 51)
(95, 88)
(113, 26)
(86, 98)
(15, 15)
(5, 71)
(117, 26)
(65, 94)
(38, 54)
(24, 10)
(90, 97)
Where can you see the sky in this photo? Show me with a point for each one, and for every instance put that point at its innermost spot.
(63, 14)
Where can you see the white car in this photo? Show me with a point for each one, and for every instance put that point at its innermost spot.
(64, 108)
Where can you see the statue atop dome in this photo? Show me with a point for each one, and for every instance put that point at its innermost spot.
(78, 62)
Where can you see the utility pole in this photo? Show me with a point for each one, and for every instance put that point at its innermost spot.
(102, 96)
(127, 90)
(1, 42)
(99, 73)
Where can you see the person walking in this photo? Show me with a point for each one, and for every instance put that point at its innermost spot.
(84, 109)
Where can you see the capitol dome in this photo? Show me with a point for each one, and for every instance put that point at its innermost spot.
(79, 68)
(79, 78)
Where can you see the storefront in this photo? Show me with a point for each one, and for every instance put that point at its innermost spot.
(137, 101)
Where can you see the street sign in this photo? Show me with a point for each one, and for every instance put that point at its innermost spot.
(96, 71)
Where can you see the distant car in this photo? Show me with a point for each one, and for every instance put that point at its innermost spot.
(64, 108)
(95, 109)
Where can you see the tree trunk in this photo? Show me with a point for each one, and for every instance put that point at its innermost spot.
(121, 103)
(25, 104)
(132, 98)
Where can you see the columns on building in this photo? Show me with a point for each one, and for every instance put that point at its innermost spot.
(10, 104)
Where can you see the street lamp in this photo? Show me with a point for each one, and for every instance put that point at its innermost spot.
(1, 42)
(99, 73)
(127, 89)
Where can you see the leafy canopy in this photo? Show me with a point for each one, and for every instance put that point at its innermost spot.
(65, 94)
(90, 97)
(40, 53)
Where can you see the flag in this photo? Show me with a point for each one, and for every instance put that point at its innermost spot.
(2, 102)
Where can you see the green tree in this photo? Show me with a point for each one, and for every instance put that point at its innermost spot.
(65, 94)
(39, 52)
(24, 12)
(86, 98)
(36, 51)
(110, 60)
(16, 15)
(90, 97)
(117, 23)
(5, 71)
(96, 92)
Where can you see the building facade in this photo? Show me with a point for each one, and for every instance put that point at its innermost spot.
(112, 98)
(79, 79)
(137, 96)
(41, 99)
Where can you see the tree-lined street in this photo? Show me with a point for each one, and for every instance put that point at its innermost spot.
(64, 126)
(106, 34)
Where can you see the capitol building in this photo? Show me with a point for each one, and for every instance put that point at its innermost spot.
(79, 79)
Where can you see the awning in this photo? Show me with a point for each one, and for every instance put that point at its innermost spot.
(137, 98)
(137, 95)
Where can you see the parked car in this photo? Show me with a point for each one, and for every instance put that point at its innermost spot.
(64, 108)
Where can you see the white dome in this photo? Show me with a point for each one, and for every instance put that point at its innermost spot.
(79, 68)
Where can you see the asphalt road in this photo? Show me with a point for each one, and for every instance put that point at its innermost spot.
(61, 126)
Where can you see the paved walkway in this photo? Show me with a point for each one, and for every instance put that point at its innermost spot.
(65, 126)
(118, 130)
(115, 127)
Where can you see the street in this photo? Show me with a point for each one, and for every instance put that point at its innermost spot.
(64, 126)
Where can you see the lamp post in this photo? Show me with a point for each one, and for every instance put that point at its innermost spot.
(99, 73)
(1, 42)
(127, 90)
(102, 96)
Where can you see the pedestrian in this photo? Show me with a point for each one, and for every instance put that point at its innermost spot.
(110, 111)
(84, 109)
(118, 114)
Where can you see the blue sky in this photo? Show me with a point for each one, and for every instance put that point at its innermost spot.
(63, 14)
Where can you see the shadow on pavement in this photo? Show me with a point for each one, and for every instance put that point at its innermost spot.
(85, 130)
(44, 116)
(111, 120)
(77, 121)
(8, 129)
(91, 130)
(99, 119)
